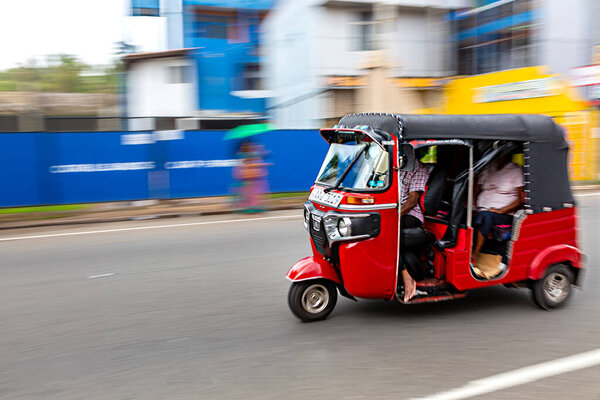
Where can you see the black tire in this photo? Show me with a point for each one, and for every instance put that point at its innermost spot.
(554, 289)
(312, 300)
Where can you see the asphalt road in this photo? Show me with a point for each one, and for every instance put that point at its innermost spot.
(200, 312)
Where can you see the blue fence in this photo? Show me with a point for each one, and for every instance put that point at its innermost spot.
(64, 168)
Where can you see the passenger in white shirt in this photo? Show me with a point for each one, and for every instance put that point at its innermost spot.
(500, 189)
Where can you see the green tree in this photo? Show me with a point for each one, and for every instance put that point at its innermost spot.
(123, 48)
(61, 73)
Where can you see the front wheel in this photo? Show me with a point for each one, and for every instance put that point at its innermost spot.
(312, 300)
(554, 289)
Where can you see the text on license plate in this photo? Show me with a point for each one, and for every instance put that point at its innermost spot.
(330, 199)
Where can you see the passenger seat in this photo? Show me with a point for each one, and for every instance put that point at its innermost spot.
(431, 198)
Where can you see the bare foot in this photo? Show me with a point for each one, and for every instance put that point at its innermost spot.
(410, 286)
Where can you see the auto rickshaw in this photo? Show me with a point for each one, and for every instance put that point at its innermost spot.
(353, 212)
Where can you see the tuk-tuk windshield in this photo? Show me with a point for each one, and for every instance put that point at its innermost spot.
(367, 161)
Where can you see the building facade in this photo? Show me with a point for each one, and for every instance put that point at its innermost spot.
(218, 73)
(532, 57)
(506, 34)
(325, 58)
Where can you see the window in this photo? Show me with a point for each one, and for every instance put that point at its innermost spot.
(505, 10)
(522, 51)
(179, 74)
(466, 23)
(523, 6)
(495, 46)
(212, 26)
(363, 33)
(145, 12)
(240, 29)
(465, 61)
(252, 77)
(145, 8)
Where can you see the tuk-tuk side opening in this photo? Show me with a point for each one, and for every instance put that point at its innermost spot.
(449, 213)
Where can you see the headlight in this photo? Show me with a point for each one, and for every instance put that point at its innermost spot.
(330, 223)
(344, 226)
(306, 218)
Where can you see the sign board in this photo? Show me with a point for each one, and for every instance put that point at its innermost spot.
(596, 54)
(346, 81)
(587, 77)
(530, 89)
(420, 83)
(358, 81)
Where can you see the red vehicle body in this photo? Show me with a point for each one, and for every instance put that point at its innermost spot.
(355, 231)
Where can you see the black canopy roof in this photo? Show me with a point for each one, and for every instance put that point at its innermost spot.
(519, 127)
(546, 175)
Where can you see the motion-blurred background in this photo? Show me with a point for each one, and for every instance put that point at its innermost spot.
(131, 110)
(132, 99)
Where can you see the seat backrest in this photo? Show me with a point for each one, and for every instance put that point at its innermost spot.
(434, 189)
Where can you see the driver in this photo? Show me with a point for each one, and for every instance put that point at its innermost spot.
(411, 216)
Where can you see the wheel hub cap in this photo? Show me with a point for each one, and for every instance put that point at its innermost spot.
(315, 298)
(556, 287)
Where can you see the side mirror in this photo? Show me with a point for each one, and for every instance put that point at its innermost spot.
(406, 157)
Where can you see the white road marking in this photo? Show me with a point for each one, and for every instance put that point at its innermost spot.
(100, 276)
(175, 225)
(139, 228)
(520, 376)
(587, 194)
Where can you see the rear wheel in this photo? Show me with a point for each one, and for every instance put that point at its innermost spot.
(554, 289)
(312, 300)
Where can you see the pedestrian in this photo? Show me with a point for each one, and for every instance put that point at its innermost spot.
(251, 177)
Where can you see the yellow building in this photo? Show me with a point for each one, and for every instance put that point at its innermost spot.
(532, 91)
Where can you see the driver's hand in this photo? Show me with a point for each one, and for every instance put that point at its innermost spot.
(497, 211)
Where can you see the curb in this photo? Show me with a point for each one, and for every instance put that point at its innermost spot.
(58, 222)
(166, 215)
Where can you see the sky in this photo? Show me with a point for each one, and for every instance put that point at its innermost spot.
(35, 28)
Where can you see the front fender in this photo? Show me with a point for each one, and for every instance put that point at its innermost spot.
(553, 255)
(313, 268)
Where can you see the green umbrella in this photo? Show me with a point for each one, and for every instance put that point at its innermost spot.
(244, 131)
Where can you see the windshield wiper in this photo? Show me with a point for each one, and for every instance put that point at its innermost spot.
(346, 171)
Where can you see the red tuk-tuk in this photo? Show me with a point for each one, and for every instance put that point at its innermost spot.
(353, 212)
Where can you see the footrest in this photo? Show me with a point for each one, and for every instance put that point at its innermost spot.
(435, 291)
(434, 298)
(431, 283)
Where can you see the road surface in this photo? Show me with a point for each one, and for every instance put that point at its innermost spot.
(199, 311)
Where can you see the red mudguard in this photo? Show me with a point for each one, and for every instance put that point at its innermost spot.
(552, 255)
(313, 268)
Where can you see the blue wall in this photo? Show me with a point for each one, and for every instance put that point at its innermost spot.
(63, 168)
(220, 61)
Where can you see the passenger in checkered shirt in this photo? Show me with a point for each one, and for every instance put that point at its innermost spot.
(413, 184)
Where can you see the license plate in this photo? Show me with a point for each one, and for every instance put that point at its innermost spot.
(329, 199)
(316, 221)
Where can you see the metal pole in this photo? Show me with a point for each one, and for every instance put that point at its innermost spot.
(470, 199)
(397, 149)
